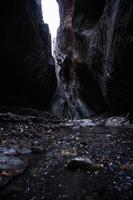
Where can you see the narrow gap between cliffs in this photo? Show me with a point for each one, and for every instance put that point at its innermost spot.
(64, 103)
(50, 11)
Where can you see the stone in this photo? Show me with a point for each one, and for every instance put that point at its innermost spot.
(15, 150)
(95, 41)
(86, 164)
(116, 121)
(27, 69)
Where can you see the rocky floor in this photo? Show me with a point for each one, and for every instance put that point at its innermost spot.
(44, 158)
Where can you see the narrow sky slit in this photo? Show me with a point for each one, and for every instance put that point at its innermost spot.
(51, 16)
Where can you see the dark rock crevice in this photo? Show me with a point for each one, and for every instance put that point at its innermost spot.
(27, 71)
(87, 13)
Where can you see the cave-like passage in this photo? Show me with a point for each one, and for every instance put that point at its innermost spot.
(51, 17)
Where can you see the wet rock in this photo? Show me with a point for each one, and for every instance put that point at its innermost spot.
(10, 167)
(8, 151)
(84, 123)
(10, 164)
(117, 121)
(113, 121)
(15, 150)
(7, 162)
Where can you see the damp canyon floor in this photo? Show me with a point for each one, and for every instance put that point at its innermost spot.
(45, 158)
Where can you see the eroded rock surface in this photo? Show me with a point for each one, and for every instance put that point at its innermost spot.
(94, 49)
(27, 72)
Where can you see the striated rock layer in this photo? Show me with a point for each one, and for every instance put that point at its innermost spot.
(27, 72)
(95, 52)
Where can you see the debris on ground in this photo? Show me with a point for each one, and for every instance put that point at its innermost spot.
(44, 157)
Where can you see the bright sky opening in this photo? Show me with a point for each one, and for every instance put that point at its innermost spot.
(51, 16)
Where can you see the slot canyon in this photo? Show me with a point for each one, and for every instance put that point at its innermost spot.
(66, 114)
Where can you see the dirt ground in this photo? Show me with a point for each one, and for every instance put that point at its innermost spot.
(45, 158)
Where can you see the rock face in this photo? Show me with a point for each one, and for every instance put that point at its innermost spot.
(95, 51)
(27, 72)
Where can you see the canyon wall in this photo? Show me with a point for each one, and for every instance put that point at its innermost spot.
(95, 52)
(27, 71)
